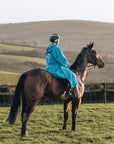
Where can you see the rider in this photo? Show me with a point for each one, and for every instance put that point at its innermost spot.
(58, 66)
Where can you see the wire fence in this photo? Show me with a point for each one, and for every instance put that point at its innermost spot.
(94, 93)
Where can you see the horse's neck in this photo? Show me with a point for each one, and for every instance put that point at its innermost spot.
(81, 68)
(83, 75)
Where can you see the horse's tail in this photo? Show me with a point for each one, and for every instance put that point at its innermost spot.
(16, 101)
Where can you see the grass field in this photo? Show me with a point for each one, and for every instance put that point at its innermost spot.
(95, 125)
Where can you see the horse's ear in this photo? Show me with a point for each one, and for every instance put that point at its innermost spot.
(91, 45)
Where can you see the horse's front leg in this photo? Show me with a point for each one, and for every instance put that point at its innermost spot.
(75, 106)
(66, 110)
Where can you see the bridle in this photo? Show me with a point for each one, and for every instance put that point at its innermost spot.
(89, 66)
(94, 57)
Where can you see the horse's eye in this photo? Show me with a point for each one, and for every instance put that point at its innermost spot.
(94, 52)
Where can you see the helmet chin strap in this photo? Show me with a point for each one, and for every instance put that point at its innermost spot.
(54, 43)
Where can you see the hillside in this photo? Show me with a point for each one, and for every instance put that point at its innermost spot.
(74, 36)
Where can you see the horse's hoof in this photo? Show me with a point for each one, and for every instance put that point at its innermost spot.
(64, 127)
(24, 134)
(73, 130)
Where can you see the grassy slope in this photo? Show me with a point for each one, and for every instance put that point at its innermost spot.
(4, 48)
(74, 34)
(19, 64)
(18, 58)
(15, 60)
(95, 125)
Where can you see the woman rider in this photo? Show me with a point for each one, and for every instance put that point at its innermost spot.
(58, 66)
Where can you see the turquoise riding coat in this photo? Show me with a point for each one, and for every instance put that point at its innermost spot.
(58, 66)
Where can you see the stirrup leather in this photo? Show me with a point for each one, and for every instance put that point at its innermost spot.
(68, 94)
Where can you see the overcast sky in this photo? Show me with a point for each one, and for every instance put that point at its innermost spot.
(12, 11)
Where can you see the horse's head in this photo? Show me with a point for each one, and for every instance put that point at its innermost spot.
(87, 55)
(93, 57)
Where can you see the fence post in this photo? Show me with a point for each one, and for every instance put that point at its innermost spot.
(104, 92)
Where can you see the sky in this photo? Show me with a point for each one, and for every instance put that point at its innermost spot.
(17, 11)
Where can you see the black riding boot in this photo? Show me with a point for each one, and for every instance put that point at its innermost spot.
(68, 94)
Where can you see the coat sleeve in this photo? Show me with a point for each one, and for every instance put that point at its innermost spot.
(60, 58)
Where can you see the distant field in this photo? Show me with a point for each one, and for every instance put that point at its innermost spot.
(19, 64)
(11, 49)
(13, 59)
(18, 59)
(95, 125)
(4, 48)
(8, 78)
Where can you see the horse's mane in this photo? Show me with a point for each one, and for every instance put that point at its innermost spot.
(79, 59)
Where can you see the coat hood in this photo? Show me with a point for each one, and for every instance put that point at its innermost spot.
(51, 48)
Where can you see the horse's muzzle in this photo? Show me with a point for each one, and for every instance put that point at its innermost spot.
(101, 63)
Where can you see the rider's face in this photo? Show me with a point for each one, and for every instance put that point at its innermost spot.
(58, 41)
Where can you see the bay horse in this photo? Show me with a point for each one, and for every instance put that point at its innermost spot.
(36, 83)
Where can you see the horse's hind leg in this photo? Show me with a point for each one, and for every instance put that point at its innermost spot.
(25, 117)
(66, 110)
(75, 107)
(26, 111)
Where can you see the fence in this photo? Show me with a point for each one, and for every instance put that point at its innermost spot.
(94, 93)
(98, 92)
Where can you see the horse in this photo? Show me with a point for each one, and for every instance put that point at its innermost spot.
(36, 83)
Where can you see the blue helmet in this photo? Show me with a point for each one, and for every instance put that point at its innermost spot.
(54, 37)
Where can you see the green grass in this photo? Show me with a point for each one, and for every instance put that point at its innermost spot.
(95, 124)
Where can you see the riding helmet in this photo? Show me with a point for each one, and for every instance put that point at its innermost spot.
(54, 37)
